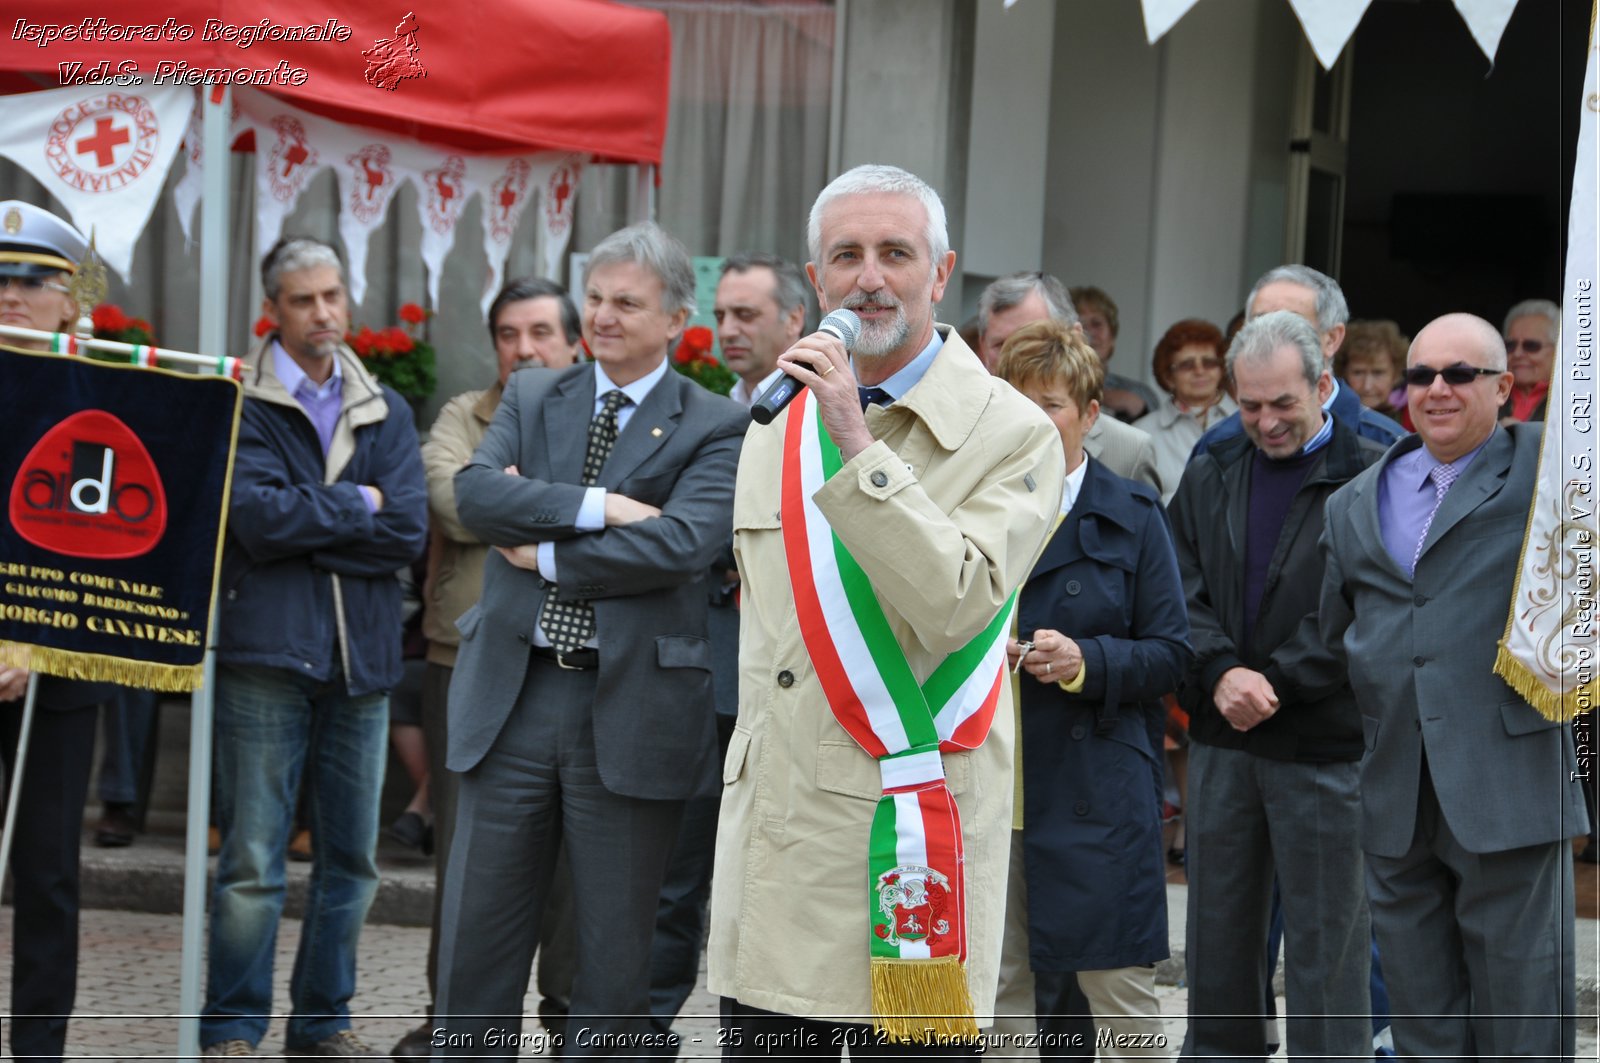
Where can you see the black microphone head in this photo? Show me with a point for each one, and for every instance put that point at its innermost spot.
(843, 324)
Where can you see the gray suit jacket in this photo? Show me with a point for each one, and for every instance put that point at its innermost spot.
(654, 731)
(1124, 449)
(1421, 655)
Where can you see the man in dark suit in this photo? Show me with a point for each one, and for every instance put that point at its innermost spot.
(581, 707)
(1468, 795)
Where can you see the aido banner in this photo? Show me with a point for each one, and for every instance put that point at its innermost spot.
(115, 485)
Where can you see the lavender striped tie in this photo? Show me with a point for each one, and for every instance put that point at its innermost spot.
(1442, 476)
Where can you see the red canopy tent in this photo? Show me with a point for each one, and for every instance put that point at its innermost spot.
(553, 75)
(584, 76)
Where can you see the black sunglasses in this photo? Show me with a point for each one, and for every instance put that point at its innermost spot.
(1421, 376)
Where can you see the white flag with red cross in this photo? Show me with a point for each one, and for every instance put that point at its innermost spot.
(102, 152)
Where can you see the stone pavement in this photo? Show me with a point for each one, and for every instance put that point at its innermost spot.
(129, 964)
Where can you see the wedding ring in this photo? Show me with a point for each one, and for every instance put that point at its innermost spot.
(828, 370)
(1047, 669)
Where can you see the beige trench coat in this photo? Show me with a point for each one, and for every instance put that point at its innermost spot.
(971, 481)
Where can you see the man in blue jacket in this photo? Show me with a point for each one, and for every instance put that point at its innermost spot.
(328, 501)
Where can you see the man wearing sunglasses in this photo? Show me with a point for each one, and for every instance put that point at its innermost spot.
(1468, 794)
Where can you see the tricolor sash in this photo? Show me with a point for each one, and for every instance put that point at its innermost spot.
(916, 894)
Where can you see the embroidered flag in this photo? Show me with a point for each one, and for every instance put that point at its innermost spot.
(115, 504)
(1549, 650)
(104, 153)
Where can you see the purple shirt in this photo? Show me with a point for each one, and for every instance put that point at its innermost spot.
(322, 402)
(1406, 498)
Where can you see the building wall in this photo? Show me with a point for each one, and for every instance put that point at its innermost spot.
(1166, 163)
(906, 99)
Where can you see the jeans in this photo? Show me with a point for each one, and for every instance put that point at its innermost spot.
(272, 725)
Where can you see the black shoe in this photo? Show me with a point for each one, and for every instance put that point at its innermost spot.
(115, 829)
(410, 830)
(416, 1044)
(1176, 856)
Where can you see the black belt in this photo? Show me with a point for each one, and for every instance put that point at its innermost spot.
(583, 659)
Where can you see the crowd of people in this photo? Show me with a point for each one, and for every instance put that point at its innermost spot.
(948, 628)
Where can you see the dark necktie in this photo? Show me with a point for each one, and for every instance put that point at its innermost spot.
(869, 396)
(1442, 476)
(569, 624)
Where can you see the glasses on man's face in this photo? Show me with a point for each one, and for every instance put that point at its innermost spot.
(1194, 365)
(31, 285)
(1527, 346)
(1421, 376)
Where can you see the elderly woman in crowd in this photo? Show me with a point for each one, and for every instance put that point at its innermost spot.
(1533, 327)
(1188, 365)
(1106, 636)
(1372, 360)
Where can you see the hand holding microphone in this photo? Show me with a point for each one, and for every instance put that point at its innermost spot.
(844, 326)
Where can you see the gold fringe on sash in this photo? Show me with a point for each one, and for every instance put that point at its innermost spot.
(922, 1001)
(1551, 704)
(100, 668)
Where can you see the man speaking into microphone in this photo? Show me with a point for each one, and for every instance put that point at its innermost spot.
(882, 523)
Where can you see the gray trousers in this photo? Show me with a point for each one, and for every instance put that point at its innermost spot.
(539, 787)
(1250, 818)
(1477, 947)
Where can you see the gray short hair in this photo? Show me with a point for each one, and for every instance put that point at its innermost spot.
(1332, 310)
(291, 254)
(788, 292)
(652, 247)
(1536, 308)
(1262, 336)
(875, 177)
(1013, 288)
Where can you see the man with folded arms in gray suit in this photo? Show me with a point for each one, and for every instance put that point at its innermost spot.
(581, 707)
(1469, 797)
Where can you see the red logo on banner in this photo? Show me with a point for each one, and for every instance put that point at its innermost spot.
(103, 143)
(558, 198)
(445, 187)
(505, 202)
(291, 159)
(392, 60)
(368, 196)
(89, 489)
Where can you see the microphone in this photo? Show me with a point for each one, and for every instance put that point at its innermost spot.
(842, 325)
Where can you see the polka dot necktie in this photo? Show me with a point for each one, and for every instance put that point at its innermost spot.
(570, 624)
(1442, 476)
(874, 396)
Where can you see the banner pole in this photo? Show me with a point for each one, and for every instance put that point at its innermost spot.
(215, 247)
(17, 764)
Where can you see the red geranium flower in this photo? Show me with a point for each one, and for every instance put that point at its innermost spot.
(263, 325)
(108, 317)
(412, 314)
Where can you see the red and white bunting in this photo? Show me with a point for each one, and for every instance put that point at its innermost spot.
(103, 152)
(560, 192)
(292, 146)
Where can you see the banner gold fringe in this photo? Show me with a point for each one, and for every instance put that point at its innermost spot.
(99, 668)
(1558, 708)
(922, 1001)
